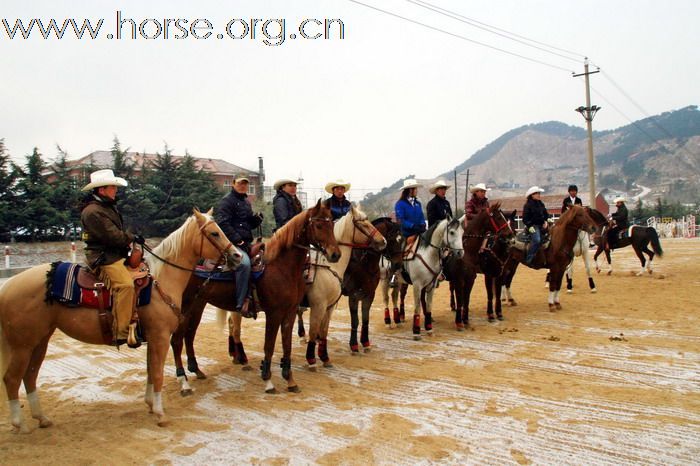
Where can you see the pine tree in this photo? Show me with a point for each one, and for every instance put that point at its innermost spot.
(65, 195)
(36, 215)
(8, 201)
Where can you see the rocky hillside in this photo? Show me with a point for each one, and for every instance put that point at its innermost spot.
(661, 153)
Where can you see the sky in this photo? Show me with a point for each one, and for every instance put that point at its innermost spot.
(391, 98)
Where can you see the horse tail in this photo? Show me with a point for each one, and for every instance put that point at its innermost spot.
(655, 243)
(222, 317)
(4, 353)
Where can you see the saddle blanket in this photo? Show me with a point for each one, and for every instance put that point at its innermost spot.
(62, 286)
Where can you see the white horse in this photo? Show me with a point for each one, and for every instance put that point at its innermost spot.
(424, 269)
(580, 249)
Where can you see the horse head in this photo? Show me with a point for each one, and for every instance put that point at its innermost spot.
(582, 219)
(394, 241)
(217, 245)
(500, 224)
(369, 236)
(319, 230)
(453, 236)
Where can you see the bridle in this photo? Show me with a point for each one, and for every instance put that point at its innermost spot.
(496, 228)
(310, 222)
(359, 225)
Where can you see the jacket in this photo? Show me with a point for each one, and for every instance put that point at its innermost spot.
(339, 207)
(620, 217)
(236, 219)
(410, 217)
(534, 213)
(474, 206)
(103, 232)
(567, 203)
(285, 206)
(438, 209)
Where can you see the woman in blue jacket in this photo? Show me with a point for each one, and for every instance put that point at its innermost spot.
(409, 211)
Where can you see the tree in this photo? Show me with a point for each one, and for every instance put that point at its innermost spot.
(37, 216)
(65, 195)
(8, 200)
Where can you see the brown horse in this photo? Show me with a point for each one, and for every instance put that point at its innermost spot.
(557, 256)
(362, 277)
(280, 290)
(28, 322)
(485, 239)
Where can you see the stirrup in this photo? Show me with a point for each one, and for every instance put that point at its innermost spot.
(133, 340)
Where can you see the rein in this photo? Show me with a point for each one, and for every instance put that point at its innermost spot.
(373, 232)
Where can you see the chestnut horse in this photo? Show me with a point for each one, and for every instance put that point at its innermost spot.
(280, 290)
(28, 322)
(557, 256)
(362, 277)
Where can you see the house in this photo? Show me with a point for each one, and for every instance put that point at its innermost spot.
(222, 171)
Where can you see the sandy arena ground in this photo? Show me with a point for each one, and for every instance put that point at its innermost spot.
(613, 378)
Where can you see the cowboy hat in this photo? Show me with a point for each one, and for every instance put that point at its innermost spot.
(332, 184)
(478, 187)
(533, 190)
(241, 178)
(104, 178)
(410, 183)
(279, 183)
(619, 199)
(439, 184)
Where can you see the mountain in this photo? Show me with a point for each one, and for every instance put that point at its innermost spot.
(661, 153)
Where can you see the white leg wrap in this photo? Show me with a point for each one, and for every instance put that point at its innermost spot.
(268, 385)
(184, 385)
(34, 404)
(508, 295)
(158, 403)
(556, 296)
(148, 397)
(551, 297)
(16, 414)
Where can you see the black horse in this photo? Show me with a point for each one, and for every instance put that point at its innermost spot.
(638, 236)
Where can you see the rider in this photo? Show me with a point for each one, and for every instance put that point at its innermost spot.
(235, 216)
(439, 207)
(286, 204)
(620, 219)
(338, 203)
(409, 211)
(572, 199)
(477, 203)
(107, 245)
(535, 218)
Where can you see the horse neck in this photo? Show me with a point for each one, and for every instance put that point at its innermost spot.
(178, 248)
(564, 240)
(436, 240)
(343, 234)
(476, 233)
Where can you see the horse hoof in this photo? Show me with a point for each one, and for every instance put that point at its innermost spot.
(569, 291)
(271, 391)
(499, 317)
(355, 348)
(416, 337)
(201, 375)
(609, 272)
(294, 389)
(328, 364)
(163, 421)
(367, 349)
(552, 308)
(312, 367)
(186, 392)
(593, 290)
(558, 306)
(491, 319)
(45, 422)
(246, 367)
(459, 327)
(513, 302)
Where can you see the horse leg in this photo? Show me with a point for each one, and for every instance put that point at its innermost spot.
(507, 282)
(286, 362)
(466, 296)
(190, 334)
(176, 342)
(453, 298)
(650, 253)
(402, 312)
(396, 312)
(642, 259)
(30, 376)
(157, 352)
(497, 285)
(364, 336)
(17, 367)
(272, 325)
(323, 341)
(489, 298)
(426, 301)
(456, 282)
(416, 312)
(315, 320)
(385, 296)
(354, 323)
(301, 331)
(587, 264)
(570, 277)
(236, 349)
(609, 259)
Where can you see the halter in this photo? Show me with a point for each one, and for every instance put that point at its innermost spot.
(311, 221)
(356, 226)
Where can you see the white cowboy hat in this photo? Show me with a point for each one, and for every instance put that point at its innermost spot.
(410, 183)
(439, 184)
(533, 190)
(619, 199)
(332, 184)
(478, 187)
(104, 178)
(279, 183)
(241, 178)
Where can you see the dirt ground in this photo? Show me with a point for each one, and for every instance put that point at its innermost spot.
(613, 378)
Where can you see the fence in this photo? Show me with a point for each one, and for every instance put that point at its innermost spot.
(667, 227)
(21, 256)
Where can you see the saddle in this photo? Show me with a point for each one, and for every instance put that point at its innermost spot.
(410, 248)
(523, 240)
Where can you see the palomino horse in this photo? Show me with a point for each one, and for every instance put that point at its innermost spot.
(28, 321)
(280, 289)
(362, 276)
(424, 268)
(353, 231)
(639, 238)
(486, 238)
(557, 256)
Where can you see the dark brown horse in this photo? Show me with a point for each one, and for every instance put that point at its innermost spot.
(485, 241)
(557, 256)
(280, 290)
(362, 277)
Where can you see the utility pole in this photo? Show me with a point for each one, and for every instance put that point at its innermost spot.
(456, 189)
(466, 191)
(588, 112)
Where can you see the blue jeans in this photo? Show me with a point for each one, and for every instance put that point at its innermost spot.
(535, 241)
(242, 279)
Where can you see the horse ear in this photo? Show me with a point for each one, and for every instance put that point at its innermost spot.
(197, 214)
(210, 211)
(318, 204)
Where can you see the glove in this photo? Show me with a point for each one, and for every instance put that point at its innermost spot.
(550, 220)
(138, 239)
(531, 229)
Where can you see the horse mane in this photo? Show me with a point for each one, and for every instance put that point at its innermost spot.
(427, 235)
(171, 247)
(285, 237)
(558, 233)
(597, 216)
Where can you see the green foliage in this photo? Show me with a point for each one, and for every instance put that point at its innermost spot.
(8, 200)
(65, 197)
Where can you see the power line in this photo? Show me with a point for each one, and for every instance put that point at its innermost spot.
(458, 36)
(498, 31)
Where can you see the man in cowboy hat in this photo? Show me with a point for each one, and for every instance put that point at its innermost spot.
(535, 218)
(438, 207)
(107, 245)
(572, 199)
(408, 209)
(338, 203)
(236, 219)
(620, 221)
(285, 203)
(477, 202)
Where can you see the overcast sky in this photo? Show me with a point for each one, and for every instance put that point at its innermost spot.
(390, 99)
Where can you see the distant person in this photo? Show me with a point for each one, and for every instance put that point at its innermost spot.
(285, 204)
(535, 218)
(439, 207)
(620, 221)
(477, 202)
(338, 203)
(409, 211)
(572, 199)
